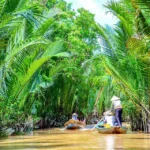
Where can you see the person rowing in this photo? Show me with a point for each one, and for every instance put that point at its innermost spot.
(117, 107)
(110, 119)
(75, 116)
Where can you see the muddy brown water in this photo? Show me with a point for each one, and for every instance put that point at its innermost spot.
(59, 139)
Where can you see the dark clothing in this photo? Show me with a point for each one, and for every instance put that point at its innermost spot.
(118, 114)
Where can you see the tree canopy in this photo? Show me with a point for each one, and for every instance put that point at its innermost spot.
(55, 61)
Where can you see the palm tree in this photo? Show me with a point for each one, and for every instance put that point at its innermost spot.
(128, 66)
(25, 48)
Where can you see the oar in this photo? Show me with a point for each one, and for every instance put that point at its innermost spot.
(97, 124)
(99, 121)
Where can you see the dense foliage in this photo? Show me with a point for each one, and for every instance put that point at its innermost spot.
(55, 61)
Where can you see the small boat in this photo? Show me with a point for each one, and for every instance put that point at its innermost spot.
(112, 130)
(74, 126)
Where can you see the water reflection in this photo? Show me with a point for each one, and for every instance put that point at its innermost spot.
(57, 139)
(110, 142)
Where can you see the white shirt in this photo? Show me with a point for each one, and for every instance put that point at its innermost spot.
(110, 120)
(115, 104)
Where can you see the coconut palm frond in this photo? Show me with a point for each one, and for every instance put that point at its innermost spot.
(23, 80)
(144, 4)
(142, 16)
(119, 10)
(1, 5)
(9, 6)
(143, 25)
(21, 5)
(18, 48)
(137, 47)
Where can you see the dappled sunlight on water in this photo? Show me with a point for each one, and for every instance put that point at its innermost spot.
(58, 139)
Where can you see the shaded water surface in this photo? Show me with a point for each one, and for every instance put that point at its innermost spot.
(58, 139)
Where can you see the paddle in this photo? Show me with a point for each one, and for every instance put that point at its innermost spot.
(99, 121)
(97, 124)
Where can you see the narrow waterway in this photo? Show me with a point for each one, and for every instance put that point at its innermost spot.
(59, 139)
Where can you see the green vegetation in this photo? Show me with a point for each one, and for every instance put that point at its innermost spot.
(55, 61)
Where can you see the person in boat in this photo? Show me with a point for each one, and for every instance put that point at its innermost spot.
(110, 119)
(117, 107)
(75, 116)
(75, 120)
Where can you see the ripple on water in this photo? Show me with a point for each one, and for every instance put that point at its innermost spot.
(58, 139)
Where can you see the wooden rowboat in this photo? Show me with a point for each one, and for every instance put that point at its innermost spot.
(112, 130)
(74, 126)
(120, 130)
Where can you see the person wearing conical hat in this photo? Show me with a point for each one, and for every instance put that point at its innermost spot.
(117, 106)
(74, 116)
(110, 119)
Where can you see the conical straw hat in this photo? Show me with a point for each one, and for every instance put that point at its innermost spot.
(114, 98)
(74, 114)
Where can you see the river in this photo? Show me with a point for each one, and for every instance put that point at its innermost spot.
(59, 139)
